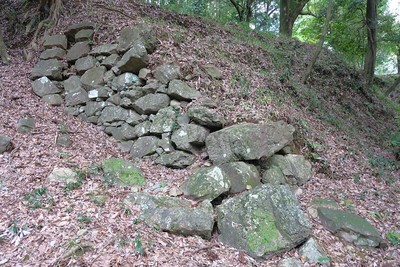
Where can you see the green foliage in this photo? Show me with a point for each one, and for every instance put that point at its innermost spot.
(83, 218)
(70, 186)
(139, 249)
(37, 198)
(393, 237)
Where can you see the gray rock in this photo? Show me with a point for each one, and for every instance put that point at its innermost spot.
(93, 108)
(248, 141)
(312, 252)
(142, 128)
(125, 146)
(53, 53)
(102, 92)
(190, 137)
(73, 83)
(5, 144)
(167, 72)
(213, 71)
(134, 118)
(51, 68)
(274, 175)
(26, 124)
(113, 114)
(53, 100)
(350, 227)
(111, 61)
(164, 121)
(134, 59)
(152, 88)
(290, 262)
(73, 29)
(126, 81)
(122, 172)
(85, 63)
(78, 50)
(321, 202)
(263, 221)
(144, 73)
(58, 40)
(114, 99)
(142, 34)
(128, 132)
(206, 183)
(296, 168)
(144, 146)
(174, 215)
(179, 90)
(104, 50)
(84, 35)
(132, 94)
(176, 159)
(241, 175)
(206, 117)
(63, 139)
(43, 86)
(151, 103)
(93, 78)
(63, 175)
(77, 97)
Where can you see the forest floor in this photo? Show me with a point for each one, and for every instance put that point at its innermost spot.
(333, 120)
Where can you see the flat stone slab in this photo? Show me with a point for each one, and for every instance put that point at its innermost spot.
(179, 90)
(78, 50)
(122, 172)
(63, 175)
(58, 40)
(44, 86)
(51, 68)
(176, 159)
(350, 227)
(53, 53)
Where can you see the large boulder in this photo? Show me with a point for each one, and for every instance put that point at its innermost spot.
(104, 50)
(144, 146)
(53, 53)
(179, 90)
(151, 103)
(85, 63)
(296, 169)
(176, 159)
(350, 227)
(241, 175)
(122, 172)
(44, 86)
(142, 34)
(53, 41)
(206, 117)
(51, 68)
(78, 50)
(74, 93)
(167, 72)
(206, 183)
(93, 78)
(5, 143)
(248, 141)
(112, 114)
(190, 137)
(134, 59)
(174, 215)
(263, 221)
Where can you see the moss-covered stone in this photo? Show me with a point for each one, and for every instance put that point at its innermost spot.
(122, 172)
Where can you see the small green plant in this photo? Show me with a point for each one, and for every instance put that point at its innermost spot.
(75, 185)
(377, 214)
(393, 237)
(36, 198)
(98, 200)
(63, 128)
(139, 249)
(322, 260)
(83, 218)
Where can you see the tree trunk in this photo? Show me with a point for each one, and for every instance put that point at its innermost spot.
(321, 43)
(3, 51)
(289, 10)
(398, 59)
(243, 9)
(393, 87)
(370, 57)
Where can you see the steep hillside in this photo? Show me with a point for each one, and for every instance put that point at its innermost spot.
(342, 128)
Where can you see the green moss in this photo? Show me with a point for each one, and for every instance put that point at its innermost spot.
(123, 172)
(265, 237)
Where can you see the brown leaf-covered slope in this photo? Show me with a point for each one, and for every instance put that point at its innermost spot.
(333, 117)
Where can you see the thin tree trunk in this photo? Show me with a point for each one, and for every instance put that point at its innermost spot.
(3, 51)
(398, 59)
(321, 43)
(370, 57)
(393, 87)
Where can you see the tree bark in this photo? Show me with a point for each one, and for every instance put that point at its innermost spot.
(3, 51)
(289, 10)
(370, 56)
(393, 87)
(321, 43)
(243, 9)
(398, 59)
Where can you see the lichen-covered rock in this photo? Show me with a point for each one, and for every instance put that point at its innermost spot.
(174, 215)
(142, 34)
(113, 114)
(53, 53)
(77, 97)
(51, 68)
(85, 63)
(179, 90)
(321, 203)
(176, 159)
(248, 141)
(78, 50)
(274, 175)
(44, 86)
(53, 100)
(5, 144)
(190, 137)
(312, 252)
(93, 108)
(126, 81)
(151, 103)
(134, 59)
(263, 221)
(93, 78)
(122, 172)
(242, 176)
(101, 92)
(206, 117)
(144, 146)
(206, 183)
(296, 168)
(350, 227)
(166, 73)
(75, 28)
(164, 121)
(63, 175)
(58, 40)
